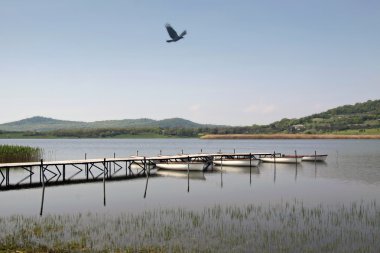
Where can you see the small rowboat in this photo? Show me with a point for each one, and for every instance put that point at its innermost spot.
(182, 166)
(282, 159)
(237, 162)
(316, 158)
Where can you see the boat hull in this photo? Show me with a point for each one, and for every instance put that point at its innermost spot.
(181, 166)
(237, 162)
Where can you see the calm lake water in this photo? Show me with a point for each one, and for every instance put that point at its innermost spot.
(350, 174)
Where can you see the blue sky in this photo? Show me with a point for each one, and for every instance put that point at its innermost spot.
(241, 63)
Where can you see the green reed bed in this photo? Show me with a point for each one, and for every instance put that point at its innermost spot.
(15, 153)
(286, 227)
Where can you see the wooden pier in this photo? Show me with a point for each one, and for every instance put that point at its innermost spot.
(45, 173)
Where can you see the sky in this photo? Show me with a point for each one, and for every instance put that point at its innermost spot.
(242, 62)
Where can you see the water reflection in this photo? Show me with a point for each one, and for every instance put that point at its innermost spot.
(351, 172)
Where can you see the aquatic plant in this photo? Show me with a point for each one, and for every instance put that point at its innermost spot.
(16, 153)
(284, 227)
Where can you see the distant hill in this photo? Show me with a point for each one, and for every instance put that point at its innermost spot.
(41, 124)
(360, 116)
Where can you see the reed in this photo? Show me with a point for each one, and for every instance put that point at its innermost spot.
(283, 227)
(16, 153)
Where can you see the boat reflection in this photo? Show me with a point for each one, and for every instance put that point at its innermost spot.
(194, 175)
(240, 170)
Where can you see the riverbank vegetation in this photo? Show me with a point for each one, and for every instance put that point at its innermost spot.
(15, 153)
(283, 227)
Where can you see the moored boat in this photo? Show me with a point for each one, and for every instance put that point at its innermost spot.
(237, 162)
(182, 166)
(282, 159)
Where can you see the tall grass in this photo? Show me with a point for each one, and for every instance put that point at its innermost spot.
(284, 227)
(16, 153)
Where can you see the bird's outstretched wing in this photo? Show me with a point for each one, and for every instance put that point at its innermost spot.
(183, 33)
(172, 33)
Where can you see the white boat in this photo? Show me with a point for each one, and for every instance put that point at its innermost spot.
(237, 162)
(316, 158)
(282, 159)
(182, 166)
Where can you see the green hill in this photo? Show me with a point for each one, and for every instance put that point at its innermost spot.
(42, 124)
(359, 117)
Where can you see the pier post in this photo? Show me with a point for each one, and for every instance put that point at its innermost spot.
(315, 156)
(43, 186)
(7, 176)
(104, 182)
(86, 166)
(114, 166)
(250, 168)
(64, 173)
(188, 174)
(147, 177)
(31, 174)
(42, 172)
(295, 153)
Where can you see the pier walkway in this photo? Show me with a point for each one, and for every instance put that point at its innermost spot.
(37, 174)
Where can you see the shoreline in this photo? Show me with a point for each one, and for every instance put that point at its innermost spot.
(289, 136)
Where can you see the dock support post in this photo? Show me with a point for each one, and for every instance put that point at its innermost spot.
(188, 174)
(147, 177)
(64, 173)
(221, 171)
(104, 182)
(295, 153)
(274, 164)
(7, 177)
(250, 168)
(30, 174)
(43, 186)
(315, 164)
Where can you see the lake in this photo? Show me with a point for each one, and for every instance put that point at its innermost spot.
(351, 173)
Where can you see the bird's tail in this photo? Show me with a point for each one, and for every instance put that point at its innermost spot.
(169, 41)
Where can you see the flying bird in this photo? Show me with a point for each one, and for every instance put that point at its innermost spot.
(173, 34)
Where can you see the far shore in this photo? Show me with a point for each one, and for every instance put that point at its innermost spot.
(289, 136)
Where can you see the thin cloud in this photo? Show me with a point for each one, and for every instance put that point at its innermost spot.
(261, 109)
(195, 108)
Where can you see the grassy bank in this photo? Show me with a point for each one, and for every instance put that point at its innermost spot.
(286, 227)
(290, 136)
(15, 153)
